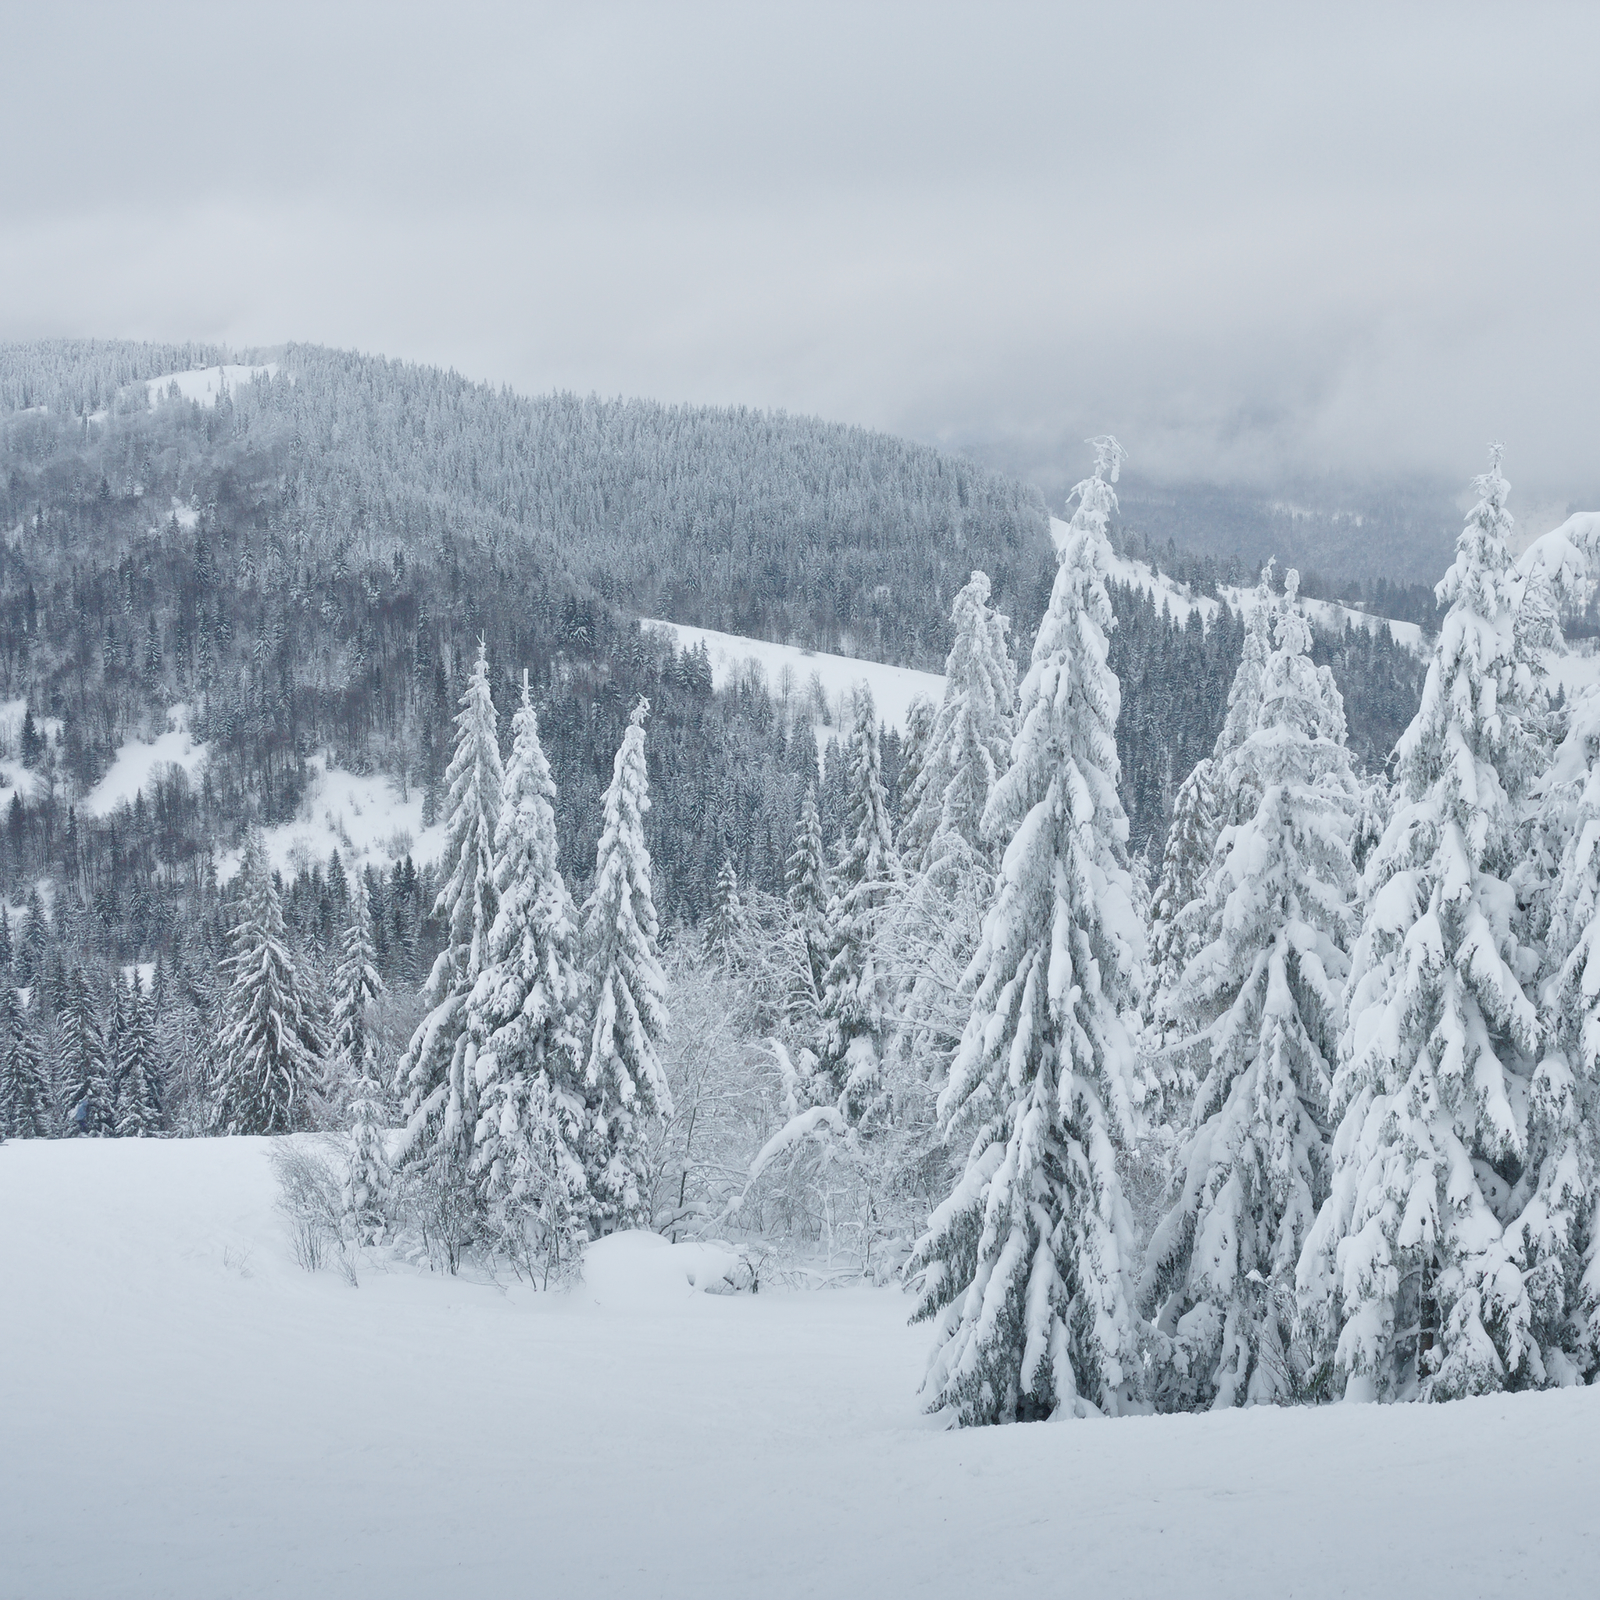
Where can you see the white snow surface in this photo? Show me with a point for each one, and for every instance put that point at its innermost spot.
(1327, 615)
(205, 385)
(139, 761)
(893, 688)
(187, 1414)
(361, 815)
(13, 775)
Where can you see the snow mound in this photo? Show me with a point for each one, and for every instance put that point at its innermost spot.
(205, 385)
(893, 688)
(637, 1268)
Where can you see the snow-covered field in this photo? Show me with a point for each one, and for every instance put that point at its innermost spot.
(206, 385)
(361, 815)
(139, 760)
(183, 1412)
(893, 688)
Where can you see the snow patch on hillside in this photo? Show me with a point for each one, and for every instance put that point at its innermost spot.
(188, 1414)
(361, 815)
(139, 761)
(14, 777)
(205, 385)
(1182, 602)
(789, 670)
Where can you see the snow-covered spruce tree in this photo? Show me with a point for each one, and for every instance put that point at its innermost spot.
(1264, 1000)
(914, 743)
(356, 984)
(1215, 795)
(269, 1052)
(807, 891)
(1191, 838)
(524, 1016)
(726, 928)
(969, 743)
(1026, 1265)
(357, 1060)
(25, 1109)
(1408, 1271)
(437, 1074)
(622, 1073)
(140, 1079)
(83, 1070)
(930, 927)
(855, 994)
(1244, 693)
(1555, 1240)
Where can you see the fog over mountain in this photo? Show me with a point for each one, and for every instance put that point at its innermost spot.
(1261, 247)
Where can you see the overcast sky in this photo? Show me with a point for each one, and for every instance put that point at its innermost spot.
(1252, 242)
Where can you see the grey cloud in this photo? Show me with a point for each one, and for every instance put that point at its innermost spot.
(1255, 243)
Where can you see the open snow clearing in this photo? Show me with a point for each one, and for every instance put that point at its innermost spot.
(187, 1413)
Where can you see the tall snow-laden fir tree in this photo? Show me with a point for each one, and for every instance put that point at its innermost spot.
(1026, 1265)
(726, 925)
(969, 743)
(1409, 1270)
(1215, 795)
(1263, 1001)
(855, 998)
(269, 1065)
(356, 984)
(1244, 693)
(806, 888)
(140, 1078)
(626, 1086)
(357, 1057)
(930, 930)
(914, 742)
(1555, 1240)
(84, 1072)
(438, 1071)
(1191, 838)
(524, 1013)
(25, 1108)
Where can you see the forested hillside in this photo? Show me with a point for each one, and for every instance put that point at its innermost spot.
(306, 566)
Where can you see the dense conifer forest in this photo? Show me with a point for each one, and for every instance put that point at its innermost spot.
(307, 564)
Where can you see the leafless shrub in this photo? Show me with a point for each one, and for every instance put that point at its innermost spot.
(310, 1196)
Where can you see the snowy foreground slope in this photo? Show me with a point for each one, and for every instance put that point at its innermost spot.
(183, 1412)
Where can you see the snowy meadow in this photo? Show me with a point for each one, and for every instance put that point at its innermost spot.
(189, 1414)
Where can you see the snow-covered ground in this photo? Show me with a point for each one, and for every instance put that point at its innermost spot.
(360, 815)
(205, 385)
(183, 1412)
(13, 775)
(893, 688)
(139, 760)
(1181, 601)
